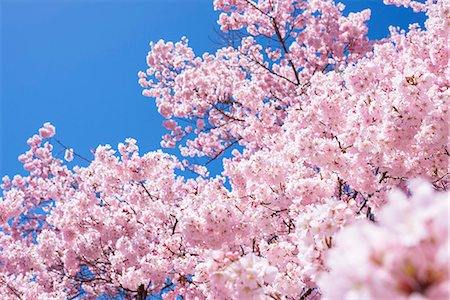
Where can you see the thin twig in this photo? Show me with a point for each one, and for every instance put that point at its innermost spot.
(74, 153)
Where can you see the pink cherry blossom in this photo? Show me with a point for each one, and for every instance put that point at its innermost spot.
(404, 257)
(68, 155)
(47, 131)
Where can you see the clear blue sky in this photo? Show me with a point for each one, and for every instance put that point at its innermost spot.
(74, 63)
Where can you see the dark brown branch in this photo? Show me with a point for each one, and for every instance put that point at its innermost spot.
(174, 225)
(75, 296)
(13, 290)
(141, 293)
(257, 8)
(305, 295)
(342, 148)
(226, 115)
(370, 215)
(283, 45)
(440, 178)
(222, 151)
(146, 190)
(268, 69)
(362, 206)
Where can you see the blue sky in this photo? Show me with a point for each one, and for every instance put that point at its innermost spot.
(74, 63)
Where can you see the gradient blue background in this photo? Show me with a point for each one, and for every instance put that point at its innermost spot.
(74, 64)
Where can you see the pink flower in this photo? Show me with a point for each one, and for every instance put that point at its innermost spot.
(400, 258)
(68, 156)
(47, 131)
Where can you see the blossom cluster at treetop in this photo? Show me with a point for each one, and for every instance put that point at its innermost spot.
(335, 186)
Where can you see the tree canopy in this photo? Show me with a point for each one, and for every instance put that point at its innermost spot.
(336, 185)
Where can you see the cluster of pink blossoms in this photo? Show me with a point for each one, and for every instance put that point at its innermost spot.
(230, 275)
(405, 256)
(328, 132)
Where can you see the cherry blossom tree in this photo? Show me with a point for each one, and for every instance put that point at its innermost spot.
(335, 186)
